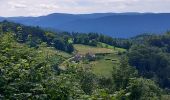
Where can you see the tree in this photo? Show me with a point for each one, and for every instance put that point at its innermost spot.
(20, 34)
(143, 89)
(151, 62)
(122, 74)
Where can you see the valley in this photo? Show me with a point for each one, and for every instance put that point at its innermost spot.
(42, 64)
(84, 49)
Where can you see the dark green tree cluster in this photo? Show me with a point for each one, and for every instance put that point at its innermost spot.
(128, 85)
(152, 58)
(94, 38)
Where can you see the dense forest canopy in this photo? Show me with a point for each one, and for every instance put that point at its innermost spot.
(152, 58)
(29, 69)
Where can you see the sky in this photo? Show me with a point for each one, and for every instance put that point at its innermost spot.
(9, 8)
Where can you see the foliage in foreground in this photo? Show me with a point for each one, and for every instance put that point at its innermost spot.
(28, 73)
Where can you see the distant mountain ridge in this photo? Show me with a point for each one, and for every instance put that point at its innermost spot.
(122, 25)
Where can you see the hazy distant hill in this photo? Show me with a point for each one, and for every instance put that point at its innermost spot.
(1, 18)
(113, 24)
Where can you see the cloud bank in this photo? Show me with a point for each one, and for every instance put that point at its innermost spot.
(44, 7)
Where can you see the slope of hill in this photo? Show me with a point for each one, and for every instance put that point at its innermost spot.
(54, 20)
(29, 66)
(113, 24)
(122, 25)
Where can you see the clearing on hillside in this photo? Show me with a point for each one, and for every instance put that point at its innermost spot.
(84, 49)
(104, 65)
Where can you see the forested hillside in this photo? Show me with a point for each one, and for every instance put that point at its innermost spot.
(152, 58)
(120, 25)
(36, 64)
(60, 40)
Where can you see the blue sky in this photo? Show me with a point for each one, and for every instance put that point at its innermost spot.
(44, 7)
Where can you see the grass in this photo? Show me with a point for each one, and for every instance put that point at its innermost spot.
(84, 49)
(64, 54)
(104, 45)
(165, 97)
(52, 51)
(104, 66)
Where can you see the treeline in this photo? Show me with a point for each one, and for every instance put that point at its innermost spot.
(94, 38)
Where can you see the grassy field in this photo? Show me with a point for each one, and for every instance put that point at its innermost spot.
(104, 45)
(52, 51)
(104, 66)
(83, 49)
(166, 97)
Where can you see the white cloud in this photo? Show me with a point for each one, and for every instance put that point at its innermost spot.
(43, 7)
(50, 7)
(17, 5)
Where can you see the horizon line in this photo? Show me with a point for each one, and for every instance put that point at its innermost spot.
(89, 14)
